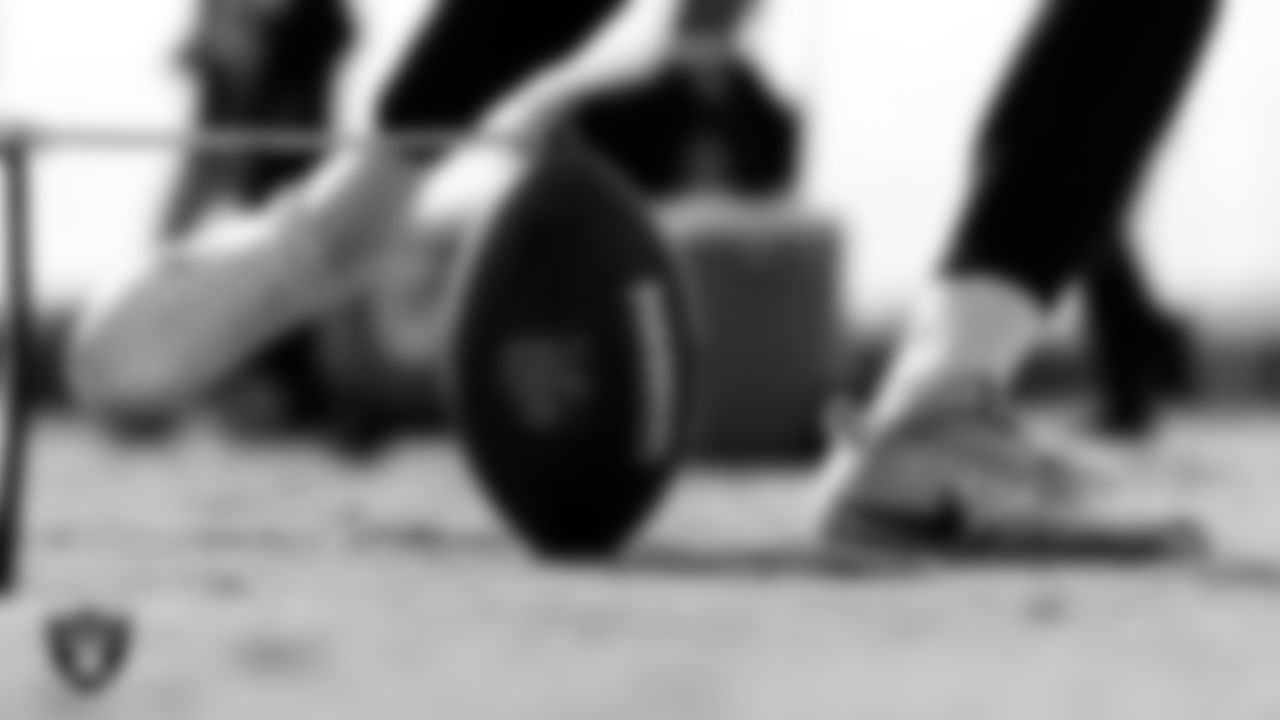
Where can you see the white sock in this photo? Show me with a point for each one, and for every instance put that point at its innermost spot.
(972, 326)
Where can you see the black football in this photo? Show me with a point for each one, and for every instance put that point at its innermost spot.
(570, 366)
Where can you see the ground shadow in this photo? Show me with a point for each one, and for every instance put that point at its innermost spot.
(761, 563)
(798, 561)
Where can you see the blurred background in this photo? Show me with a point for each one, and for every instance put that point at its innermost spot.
(875, 106)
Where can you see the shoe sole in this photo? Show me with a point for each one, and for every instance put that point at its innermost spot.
(946, 534)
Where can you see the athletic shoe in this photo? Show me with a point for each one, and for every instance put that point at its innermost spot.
(961, 477)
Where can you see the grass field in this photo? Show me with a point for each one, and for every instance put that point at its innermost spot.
(275, 583)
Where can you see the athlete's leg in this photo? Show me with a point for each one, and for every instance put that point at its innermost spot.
(1065, 147)
(183, 324)
(1138, 350)
(285, 81)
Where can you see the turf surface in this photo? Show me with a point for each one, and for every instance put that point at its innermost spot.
(276, 583)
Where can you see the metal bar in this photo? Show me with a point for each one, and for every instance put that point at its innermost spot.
(133, 139)
(20, 303)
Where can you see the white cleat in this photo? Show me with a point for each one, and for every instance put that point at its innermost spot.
(960, 477)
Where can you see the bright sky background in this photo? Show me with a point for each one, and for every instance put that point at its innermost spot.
(893, 90)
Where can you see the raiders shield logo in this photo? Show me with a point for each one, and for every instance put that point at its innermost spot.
(545, 379)
(88, 647)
